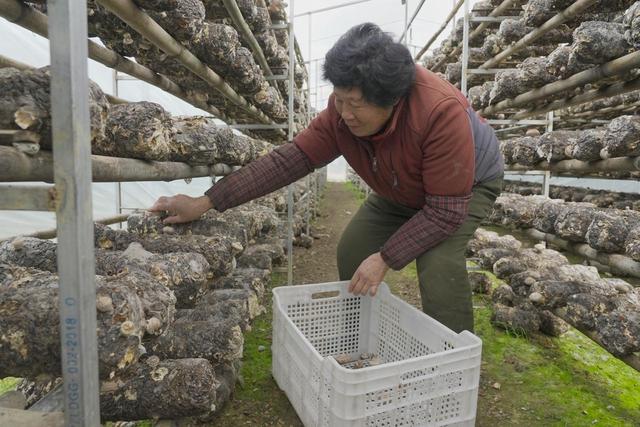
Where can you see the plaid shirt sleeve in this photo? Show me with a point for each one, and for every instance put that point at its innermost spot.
(448, 169)
(440, 217)
(284, 165)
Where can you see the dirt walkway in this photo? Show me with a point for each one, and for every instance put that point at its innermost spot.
(318, 264)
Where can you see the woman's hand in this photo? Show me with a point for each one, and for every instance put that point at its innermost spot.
(181, 208)
(368, 276)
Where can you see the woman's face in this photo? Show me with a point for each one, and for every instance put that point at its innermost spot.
(362, 117)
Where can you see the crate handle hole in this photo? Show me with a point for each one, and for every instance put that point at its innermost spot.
(323, 295)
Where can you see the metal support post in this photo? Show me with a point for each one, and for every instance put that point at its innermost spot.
(118, 184)
(465, 49)
(406, 20)
(72, 172)
(546, 181)
(292, 64)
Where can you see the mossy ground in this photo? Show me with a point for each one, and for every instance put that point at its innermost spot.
(7, 384)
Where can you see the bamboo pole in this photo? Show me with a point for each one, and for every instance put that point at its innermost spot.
(592, 95)
(52, 232)
(243, 28)
(152, 31)
(37, 22)
(572, 11)
(595, 113)
(617, 164)
(440, 30)
(6, 62)
(619, 264)
(611, 68)
(16, 166)
(498, 11)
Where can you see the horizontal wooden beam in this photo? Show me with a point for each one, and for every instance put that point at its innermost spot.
(16, 166)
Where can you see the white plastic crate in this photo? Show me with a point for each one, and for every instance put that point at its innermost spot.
(429, 375)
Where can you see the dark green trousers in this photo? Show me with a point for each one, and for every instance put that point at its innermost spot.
(442, 272)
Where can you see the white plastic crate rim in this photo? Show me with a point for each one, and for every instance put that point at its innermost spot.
(429, 375)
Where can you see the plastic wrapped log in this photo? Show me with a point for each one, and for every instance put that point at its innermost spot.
(198, 140)
(631, 22)
(475, 95)
(277, 10)
(242, 301)
(525, 151)
(219, 251)
(226, 377)
(183, 273)
(574, 221)
(521, 213)
(552, 325)
(619, 332)
(271, 249)
(622, 138)
(215, 10)
(597, 42)
(215, 44)
(546, 214)
(282, 37)
(558, 60)
(491, 46)
(552, 294)
(25, 105)
(252, 279)
(159, 389)
(512, 30)
(536, 259)
(583, 309)
(588, 145)
(269, 100)
(243, 223)
(453, 72)
(270, 47)
(140, 130)
(632, 244)
(218, 45)
(552, 145)
(112, 31)
(531, 73)
(235, 311)
(480, 283)
(257, 260)
(483, 239)
(244, 73)
(195, 140)
(30, 252)
(608, 230)
(182, 21)
(215, 341)
(490, 256)
(515, 319)
(506, 148)
(260, 21)
(158, 5)
(537, 12)
(521, 282)
(30, 343)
